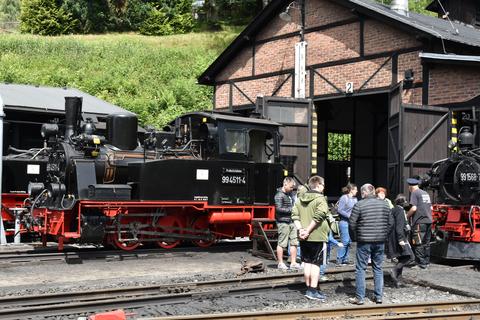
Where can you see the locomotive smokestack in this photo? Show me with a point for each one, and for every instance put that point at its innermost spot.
(400, 6)
(73, 114)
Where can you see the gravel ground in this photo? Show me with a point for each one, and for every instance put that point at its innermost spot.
(455, 282)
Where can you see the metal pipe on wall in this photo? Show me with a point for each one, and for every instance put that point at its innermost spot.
(400, 6)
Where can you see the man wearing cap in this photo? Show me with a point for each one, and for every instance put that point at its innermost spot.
(420, 215)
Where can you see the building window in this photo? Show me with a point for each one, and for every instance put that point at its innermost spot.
(339, 146)
(235, 141)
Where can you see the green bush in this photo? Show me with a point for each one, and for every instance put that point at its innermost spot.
(138, 11)
(44, 17)
(168, 17)
(92, 16)
(157, 24)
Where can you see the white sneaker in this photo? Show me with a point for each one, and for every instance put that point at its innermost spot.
(282, 266)
(296, 266)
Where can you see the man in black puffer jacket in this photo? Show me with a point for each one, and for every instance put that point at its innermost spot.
(369, 227)
(287, 232)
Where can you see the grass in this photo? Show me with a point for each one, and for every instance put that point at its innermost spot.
(154, 77)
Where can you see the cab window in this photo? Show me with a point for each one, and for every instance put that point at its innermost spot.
(235, 141)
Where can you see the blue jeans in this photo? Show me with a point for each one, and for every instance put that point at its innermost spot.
(364, 251)
(331, 241)
(342, 253)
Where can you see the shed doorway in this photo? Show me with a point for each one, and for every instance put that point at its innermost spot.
(352, 141)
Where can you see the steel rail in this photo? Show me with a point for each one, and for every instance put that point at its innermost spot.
(72, 255)
(421, 310)
(135, 297)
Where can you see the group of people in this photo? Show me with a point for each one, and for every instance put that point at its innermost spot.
(400, 230)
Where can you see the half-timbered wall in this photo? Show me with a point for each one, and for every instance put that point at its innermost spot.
(342, 47)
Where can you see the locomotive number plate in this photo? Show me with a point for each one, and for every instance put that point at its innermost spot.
(469, 177)
(233, 176)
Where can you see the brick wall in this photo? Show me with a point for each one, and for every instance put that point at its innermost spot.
(318, 13)
(335, 45)
(262, 87)
(381, 37)
(453, 84)
(240, 67)
(358, 73)
(275, 56)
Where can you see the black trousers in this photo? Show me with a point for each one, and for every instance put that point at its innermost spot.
(402, 262)
(422, 250)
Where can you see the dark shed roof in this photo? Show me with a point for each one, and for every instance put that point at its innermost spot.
(450, 58)
(51, 100)
(414, 22)
(231, 117)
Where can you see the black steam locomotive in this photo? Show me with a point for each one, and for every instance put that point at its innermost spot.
(205, 176)
(456, 212)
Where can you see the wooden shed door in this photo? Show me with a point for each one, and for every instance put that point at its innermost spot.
(295, 147)
(417, 137)
(395, 157)
(425, 138)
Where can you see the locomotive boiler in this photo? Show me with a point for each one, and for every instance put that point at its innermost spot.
(205, 177)
(456, 209)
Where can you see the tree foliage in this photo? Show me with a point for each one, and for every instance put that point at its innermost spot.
(414, 5)
(45, 17)
(152, 17)
(9, 10)
(168, 17)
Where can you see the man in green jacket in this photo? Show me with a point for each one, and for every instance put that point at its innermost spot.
(313, 220)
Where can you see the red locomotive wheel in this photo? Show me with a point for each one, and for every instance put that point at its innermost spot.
(127, 245)
(165, 224)
(201, 223)
(127, 241)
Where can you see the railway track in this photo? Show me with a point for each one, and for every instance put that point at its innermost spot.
(84, 303)
(464, 309)
(78, 255)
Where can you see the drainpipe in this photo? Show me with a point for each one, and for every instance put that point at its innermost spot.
(400, 7)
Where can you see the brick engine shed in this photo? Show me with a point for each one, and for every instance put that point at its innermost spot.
(394, 88)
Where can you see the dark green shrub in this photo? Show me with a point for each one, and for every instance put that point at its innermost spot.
(92, 16)
(45, 17)
(157, 24)
(168, 17)
(137, 12)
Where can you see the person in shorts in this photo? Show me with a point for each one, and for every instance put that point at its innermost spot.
(287, 232)
(314, 222)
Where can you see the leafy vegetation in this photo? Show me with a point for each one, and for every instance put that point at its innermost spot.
(153, 77)
(339, 146)
(45, 18)
(152, 17)
(9, 11)
(415, 6)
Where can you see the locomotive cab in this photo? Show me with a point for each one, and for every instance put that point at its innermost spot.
(231, 137)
